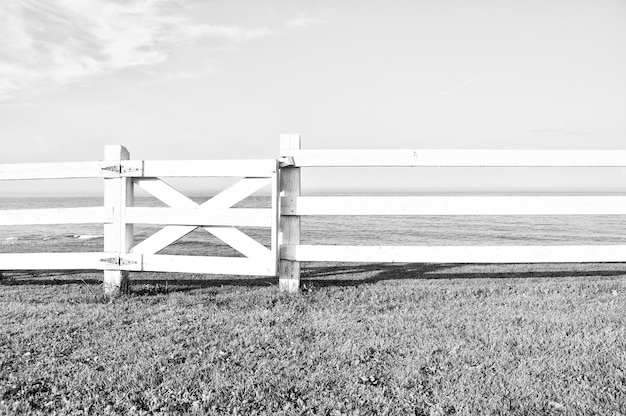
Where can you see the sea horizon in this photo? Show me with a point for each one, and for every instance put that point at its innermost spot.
(341, 230)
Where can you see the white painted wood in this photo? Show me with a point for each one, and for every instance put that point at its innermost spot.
(131, 168)
(455, 205)
(56, 216)
(459, 158)
(62, 170)
(275, 231)
(183, 168)
(165, 193)
(456, 254)
(289, 234)
(123, 261)
(237, 192)
(225, 199)
(242, 217)
(241, 242)
(213, 265)
(118, 236)
(51, 261)
(161, 239)
(231, 236)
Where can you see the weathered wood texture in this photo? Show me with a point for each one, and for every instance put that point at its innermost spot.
(288, 269)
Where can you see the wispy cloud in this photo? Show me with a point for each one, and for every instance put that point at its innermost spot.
(302, 22)
(46, 44)
(233, 33)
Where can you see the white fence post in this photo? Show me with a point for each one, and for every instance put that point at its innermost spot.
(289, 271)
(118, 236)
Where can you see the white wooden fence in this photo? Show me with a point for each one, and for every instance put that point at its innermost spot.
(218, 217)
(293, 206)
(182, 216)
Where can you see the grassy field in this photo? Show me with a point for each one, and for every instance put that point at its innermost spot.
(359, 340)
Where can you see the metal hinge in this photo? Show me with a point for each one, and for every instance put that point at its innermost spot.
(135, 262)
(286, 161)
(115, 168)
(124, 168)
(118, 261)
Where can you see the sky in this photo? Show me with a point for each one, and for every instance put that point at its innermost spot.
(211, 79)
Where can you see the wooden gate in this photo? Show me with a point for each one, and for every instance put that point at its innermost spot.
(217, 215)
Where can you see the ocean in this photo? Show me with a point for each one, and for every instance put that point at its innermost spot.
(341, 230)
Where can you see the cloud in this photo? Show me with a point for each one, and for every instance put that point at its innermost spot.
(302, 22)
(47, 44)
(233, 33)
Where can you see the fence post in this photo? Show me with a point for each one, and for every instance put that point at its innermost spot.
(118, 236)
(289, 271)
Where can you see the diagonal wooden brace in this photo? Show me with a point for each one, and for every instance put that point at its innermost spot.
(225, 199)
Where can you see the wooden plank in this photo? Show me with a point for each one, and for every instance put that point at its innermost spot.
(456, 254)
(212, 265)
(52, 261)
(225, 199)
(168, 235)
(161, 239)
(241, 242)
(164, 192)
(56, 216)
(289, 234)
(243, 217)
(61, 170)
(459, 158)
(232, 195)
(237, 192)
(454, 205)
(118, 236)
(275, 231)
(186, 168)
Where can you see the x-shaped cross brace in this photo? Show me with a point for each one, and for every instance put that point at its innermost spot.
(225, 199)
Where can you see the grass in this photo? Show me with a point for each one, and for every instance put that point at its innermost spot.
(359, 340)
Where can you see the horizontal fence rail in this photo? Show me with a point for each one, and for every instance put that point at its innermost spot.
(454, 158)
(241, 217)
(68, 170)
(454, 205)
(457, 254)
(93, 215)
(54, 261)
(195, 168)
(139, 169)
(216, 265)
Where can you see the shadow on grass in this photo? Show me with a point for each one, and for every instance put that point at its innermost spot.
(340, 275)
(49, 278)
(374, 273)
